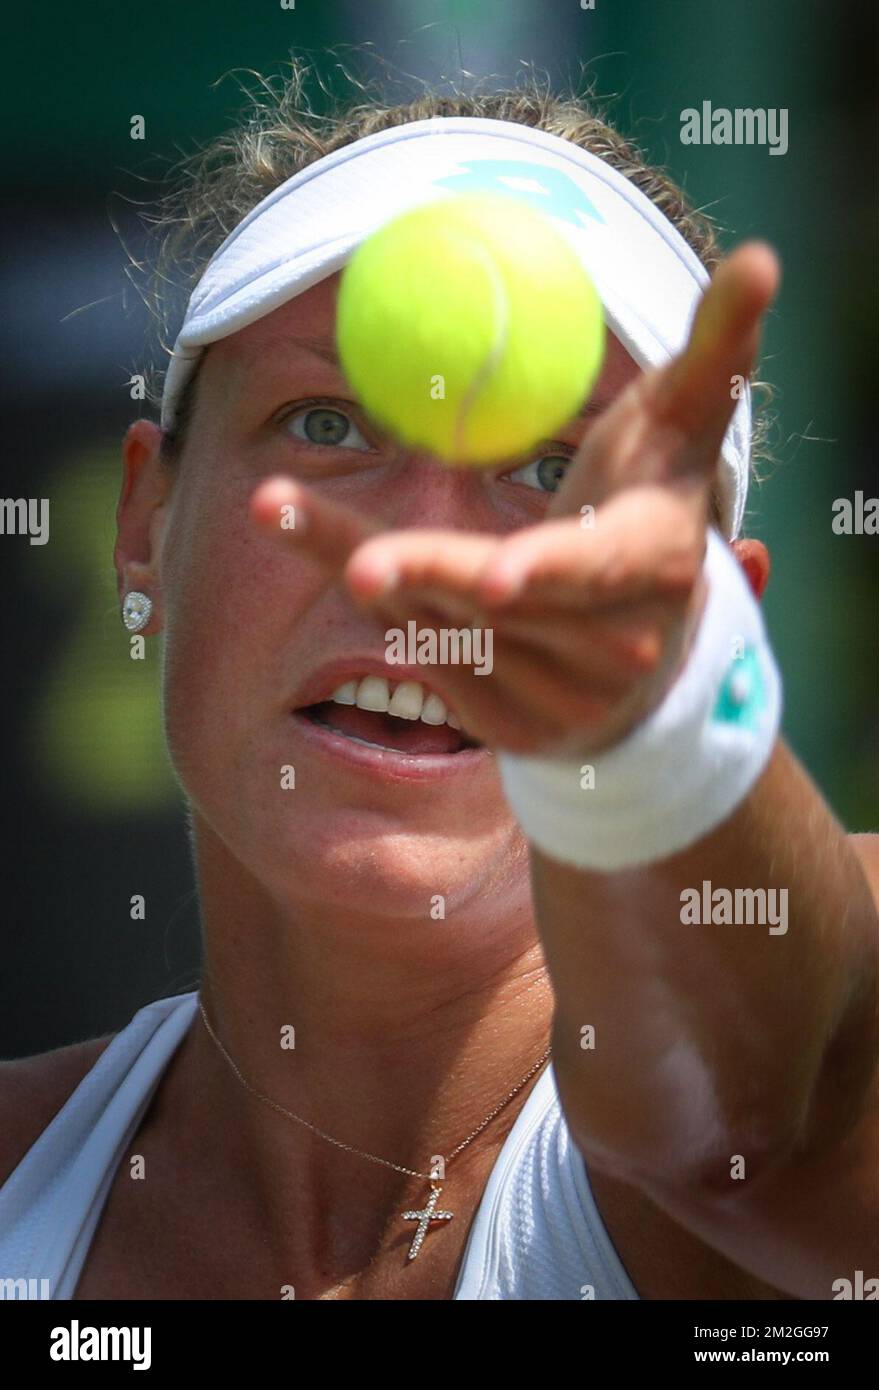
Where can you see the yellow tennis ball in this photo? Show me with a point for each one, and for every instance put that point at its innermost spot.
(468, 327)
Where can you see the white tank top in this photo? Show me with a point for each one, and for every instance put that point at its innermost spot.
(536, 1235)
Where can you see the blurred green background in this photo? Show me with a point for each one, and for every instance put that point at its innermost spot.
(95, 815)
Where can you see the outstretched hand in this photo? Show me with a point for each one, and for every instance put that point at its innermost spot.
(592, 613)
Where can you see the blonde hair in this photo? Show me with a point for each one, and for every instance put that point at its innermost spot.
(279, 134)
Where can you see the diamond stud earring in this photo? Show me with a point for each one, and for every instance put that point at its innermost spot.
(136, 610)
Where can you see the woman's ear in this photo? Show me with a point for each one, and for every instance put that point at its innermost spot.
(145, 490)
(754, 560)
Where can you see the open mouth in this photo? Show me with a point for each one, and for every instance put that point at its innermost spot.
(401, 717)
(386, 731)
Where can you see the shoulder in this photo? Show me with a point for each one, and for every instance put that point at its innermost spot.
(34, 1089)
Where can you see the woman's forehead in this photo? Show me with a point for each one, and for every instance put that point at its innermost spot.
(310, 318)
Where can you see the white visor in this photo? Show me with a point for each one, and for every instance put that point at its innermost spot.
(649, 280)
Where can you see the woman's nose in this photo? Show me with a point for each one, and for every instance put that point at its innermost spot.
(426, 492)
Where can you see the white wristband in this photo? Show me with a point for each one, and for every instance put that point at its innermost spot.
(686, 768)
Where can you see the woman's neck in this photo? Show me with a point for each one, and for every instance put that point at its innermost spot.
(397, 1037)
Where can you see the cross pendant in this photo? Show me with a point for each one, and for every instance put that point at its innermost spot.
(424, 1218)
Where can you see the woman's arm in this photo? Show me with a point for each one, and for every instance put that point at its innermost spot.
(733, 1072)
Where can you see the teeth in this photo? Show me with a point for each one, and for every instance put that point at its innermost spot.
(409, 700)
(434, 711)
(346, 694)
(373, 693)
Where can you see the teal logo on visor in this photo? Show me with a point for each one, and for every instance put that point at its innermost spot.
(548, 190)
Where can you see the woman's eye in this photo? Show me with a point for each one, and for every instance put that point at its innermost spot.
(325, 424)
(545, 472)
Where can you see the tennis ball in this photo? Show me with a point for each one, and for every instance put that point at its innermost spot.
(468, 327)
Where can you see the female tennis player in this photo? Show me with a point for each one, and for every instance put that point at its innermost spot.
(558, 981)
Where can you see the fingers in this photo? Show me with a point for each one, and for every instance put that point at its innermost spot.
(695, 392)
(449, 561)
(546, 695)
(528, 700)
(728, 317)
(669, 423)
(558, 663)
(612, 650)
(295, 515)
(608, 652)
(643, 542)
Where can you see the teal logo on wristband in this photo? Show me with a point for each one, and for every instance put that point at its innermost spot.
(742, 697)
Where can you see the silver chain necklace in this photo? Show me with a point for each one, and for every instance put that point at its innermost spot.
(429, 1212)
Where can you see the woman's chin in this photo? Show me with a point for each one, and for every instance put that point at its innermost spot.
(356, 862)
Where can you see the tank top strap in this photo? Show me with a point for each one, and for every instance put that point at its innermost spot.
(51, 1203)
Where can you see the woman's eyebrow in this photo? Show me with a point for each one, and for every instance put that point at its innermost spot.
(325, 348)
(284, 350)
(320, 347)
(275, 361)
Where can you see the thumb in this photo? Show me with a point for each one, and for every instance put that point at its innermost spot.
(670, 421)
(694, 393)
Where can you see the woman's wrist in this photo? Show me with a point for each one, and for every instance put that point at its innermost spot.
(685, 767)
